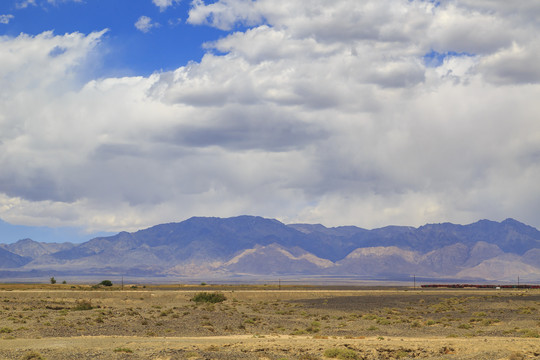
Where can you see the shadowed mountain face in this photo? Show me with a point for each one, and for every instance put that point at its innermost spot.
(258, 246)
(11, 260)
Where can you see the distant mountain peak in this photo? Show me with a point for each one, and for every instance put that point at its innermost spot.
(259, 246)
(513, 222)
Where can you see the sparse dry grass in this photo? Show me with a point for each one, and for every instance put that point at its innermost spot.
(321, 314)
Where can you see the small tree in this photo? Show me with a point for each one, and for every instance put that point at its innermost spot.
(53, 280)
(106, 283)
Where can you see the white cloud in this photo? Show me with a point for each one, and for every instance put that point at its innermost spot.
(5, 19)
(164, 4)
(23, 4)
(145, 24)
(225, 14)
(175, 22)
(514, 64)
(320, 112)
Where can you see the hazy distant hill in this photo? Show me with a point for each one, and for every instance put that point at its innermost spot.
(248, 245)
(33, 249)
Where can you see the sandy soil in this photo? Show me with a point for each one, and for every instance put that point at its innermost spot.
(271, 347)
(293, 323)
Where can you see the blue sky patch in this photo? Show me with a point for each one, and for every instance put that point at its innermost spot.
(169, 44)
(435, 59)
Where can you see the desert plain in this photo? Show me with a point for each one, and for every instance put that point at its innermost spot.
(64, 321)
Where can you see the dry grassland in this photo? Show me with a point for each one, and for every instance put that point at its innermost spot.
(258, 322)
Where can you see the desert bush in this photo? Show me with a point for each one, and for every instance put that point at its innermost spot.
(5, 330)
(487, 322)
(529, 333)
(204, 297)
(401, 354)
(83, 305)
(314, 327)
(33, 356)
(342, 354)
(124, 350)
(516, 356)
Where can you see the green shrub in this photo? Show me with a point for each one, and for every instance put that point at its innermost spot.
(314, 327)
(530, 333)
(204, 297)
(106, 283)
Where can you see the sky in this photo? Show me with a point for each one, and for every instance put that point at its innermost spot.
(121, 114)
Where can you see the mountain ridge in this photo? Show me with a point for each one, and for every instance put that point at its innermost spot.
(259, 246)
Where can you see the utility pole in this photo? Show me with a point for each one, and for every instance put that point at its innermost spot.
(122, 282)
(414, 277)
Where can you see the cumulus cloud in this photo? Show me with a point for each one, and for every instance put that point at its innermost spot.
(164, 4)
(145, 24)
(514, 64)
(5, 19)
(318, 112)
(225, 14)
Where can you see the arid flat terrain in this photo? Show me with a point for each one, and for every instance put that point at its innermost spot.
(266, 322)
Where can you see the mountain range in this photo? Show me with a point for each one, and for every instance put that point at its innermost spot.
(255, 246)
